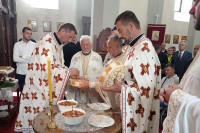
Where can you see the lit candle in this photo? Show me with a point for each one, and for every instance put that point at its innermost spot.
(66, 94)
(49, 78)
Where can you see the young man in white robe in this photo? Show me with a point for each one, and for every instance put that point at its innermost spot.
(35, 96)
(140, 101)
(183, 100)
(89, 63)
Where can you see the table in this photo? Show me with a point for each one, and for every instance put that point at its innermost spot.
(6, 95)
(42, 120)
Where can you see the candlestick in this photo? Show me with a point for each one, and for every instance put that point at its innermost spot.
(52, 124)
(49, 78)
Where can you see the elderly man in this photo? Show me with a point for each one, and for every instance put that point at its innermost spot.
(114, 48)
(184, 100)
(140, 103)
(35, 97)
(89, 63)
(188, 62)
(163, 46)
(179, 58)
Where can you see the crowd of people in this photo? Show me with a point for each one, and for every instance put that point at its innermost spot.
(139, 94)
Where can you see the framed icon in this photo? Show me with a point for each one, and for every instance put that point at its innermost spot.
(33, 25)
(47, 26)
(184, 38)
(58, 24)
(167, 38)
(176, 39)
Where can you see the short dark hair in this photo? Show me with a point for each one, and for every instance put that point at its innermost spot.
(117, 40)
(157, 46)
(169, 65)
(126, 17)
(114, 28)
(26, 28)
(68, 27)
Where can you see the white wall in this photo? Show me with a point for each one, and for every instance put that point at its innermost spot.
(69, 11)
(139, 7)
(83, 9)
(111, 11)
(173, 27)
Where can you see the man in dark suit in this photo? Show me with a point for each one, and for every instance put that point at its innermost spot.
(71, 49)
(188, 62)
(163, 46)
(179, 58)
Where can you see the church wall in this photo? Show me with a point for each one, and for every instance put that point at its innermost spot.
(83, 9)
(67, 13)
(110, 13)
(173, 27)
(139, 7)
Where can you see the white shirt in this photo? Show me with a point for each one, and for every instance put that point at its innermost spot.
(182, 52)
(25, 50)
(169, 81)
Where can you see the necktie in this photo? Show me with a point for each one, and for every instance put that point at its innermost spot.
(179, 56)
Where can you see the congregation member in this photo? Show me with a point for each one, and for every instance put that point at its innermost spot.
(71, 49)
(171, 77)
(21, 55)
(179, 58)
(90, 65)
(169, 54)
(140, 102)
(184, 100)
(163, 48)
(188, 62)
(35, 97)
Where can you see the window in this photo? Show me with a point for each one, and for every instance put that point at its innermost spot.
(181, 10)
(177, 6)
(46, 4)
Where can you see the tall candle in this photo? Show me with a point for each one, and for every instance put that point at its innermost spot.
(49, 78)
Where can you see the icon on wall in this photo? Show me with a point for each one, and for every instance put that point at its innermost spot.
(33, 25)
(155, 35)
(58, 24)
(184, 38)
(47, 26)
(167, 38)
(176, 39)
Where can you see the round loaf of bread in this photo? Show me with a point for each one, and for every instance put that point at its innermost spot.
(112, 71)
(76, 82)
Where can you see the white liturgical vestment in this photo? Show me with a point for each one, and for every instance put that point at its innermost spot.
(35, 96)
(140, 93)
(90, 67)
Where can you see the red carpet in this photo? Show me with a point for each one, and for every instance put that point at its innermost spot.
(4, 127)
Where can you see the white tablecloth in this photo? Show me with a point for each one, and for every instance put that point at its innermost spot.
(6, 93)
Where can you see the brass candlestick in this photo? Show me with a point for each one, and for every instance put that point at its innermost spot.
(52, 124)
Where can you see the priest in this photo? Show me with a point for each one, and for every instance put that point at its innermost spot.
(183, 100)
(35, 96)
(89, 63)
(139, 93)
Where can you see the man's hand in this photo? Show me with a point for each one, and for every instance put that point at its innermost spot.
(86, 84)
(115, 88)
(73, 72)
(166, 92)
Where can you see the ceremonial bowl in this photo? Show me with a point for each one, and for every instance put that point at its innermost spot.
(73, 117)
(66, 104)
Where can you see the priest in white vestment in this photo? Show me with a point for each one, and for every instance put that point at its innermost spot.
(139, 93)
(183, 107)
(35, 96)
(89, 63)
